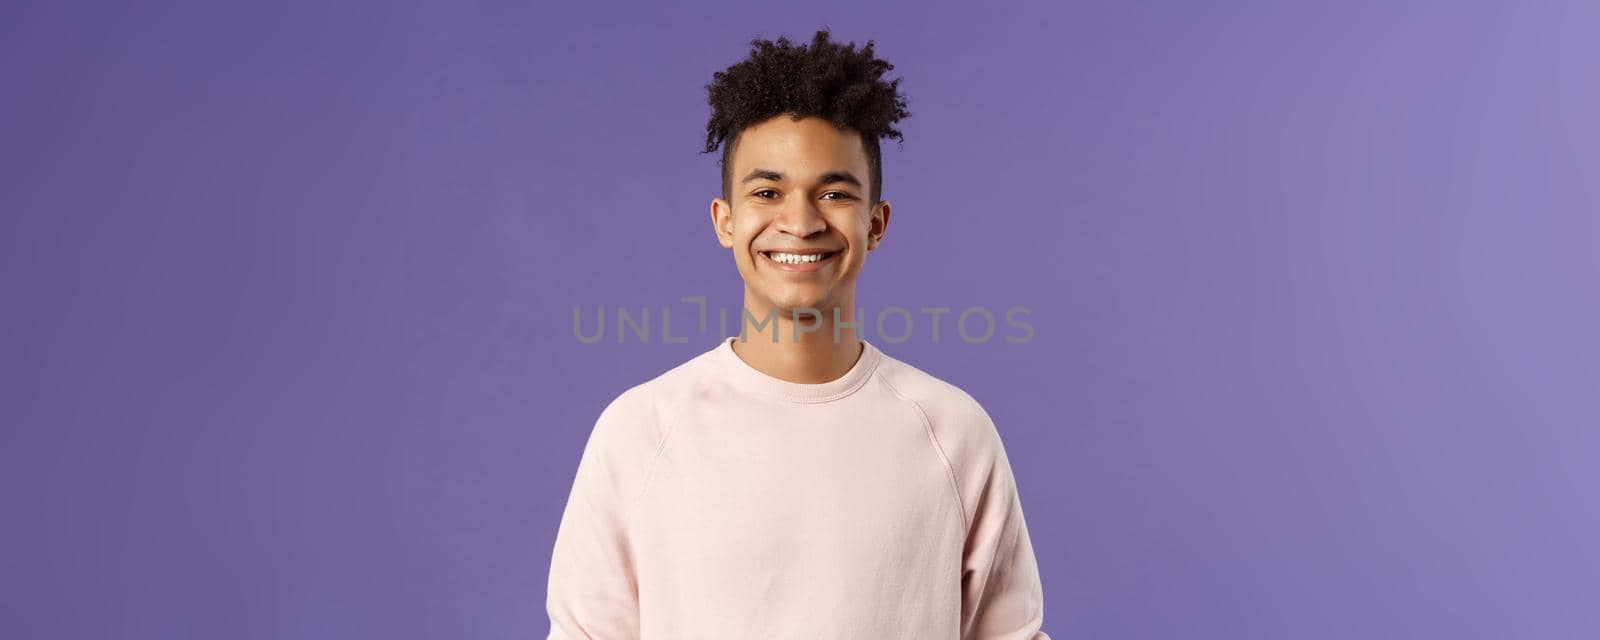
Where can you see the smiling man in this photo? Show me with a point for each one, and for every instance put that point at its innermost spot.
(795, 481)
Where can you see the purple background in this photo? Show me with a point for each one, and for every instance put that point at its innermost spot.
(288, 291)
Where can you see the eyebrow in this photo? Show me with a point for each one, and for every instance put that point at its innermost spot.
(826, 178)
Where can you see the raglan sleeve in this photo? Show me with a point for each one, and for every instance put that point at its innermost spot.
(593, 585)
(1002, 596)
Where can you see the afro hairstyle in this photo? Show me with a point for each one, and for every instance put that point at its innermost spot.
(825, 79)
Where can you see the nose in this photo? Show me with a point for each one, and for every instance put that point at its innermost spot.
(801, 220)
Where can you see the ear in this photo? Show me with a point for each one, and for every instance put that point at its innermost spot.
(722, 222)
(878, 224)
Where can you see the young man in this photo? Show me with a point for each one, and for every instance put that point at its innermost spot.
(795, 481)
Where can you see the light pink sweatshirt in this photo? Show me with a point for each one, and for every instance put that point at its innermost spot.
(716, 501)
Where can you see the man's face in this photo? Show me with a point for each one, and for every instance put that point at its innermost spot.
(798, 193)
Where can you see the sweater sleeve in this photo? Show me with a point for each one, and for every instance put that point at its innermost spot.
(593, 589)
(1001, 593)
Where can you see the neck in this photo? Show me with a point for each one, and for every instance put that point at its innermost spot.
(798, 346)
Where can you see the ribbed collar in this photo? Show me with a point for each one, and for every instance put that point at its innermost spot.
(747, 377)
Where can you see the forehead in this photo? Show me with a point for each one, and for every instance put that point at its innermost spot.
(809, 146)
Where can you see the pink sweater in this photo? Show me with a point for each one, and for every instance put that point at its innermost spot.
(715, 501)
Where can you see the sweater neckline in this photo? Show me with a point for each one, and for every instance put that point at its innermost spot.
(748, 377)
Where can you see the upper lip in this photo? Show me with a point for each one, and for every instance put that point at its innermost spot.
(802, 252)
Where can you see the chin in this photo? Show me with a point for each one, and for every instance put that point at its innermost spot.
(785, 306)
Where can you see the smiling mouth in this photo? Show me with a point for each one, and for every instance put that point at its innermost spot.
(798, 258)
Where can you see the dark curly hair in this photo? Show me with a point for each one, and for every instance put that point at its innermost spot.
(825, 79)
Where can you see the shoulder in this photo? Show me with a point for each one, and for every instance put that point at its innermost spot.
(642, 414)
(958, 422)
(958, 427)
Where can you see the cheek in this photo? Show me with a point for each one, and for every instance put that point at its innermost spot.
(745, 229)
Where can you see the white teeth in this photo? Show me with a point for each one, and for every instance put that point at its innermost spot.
(795, 258)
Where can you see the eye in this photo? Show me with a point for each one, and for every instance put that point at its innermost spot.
(758, 193)
(842, 195)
